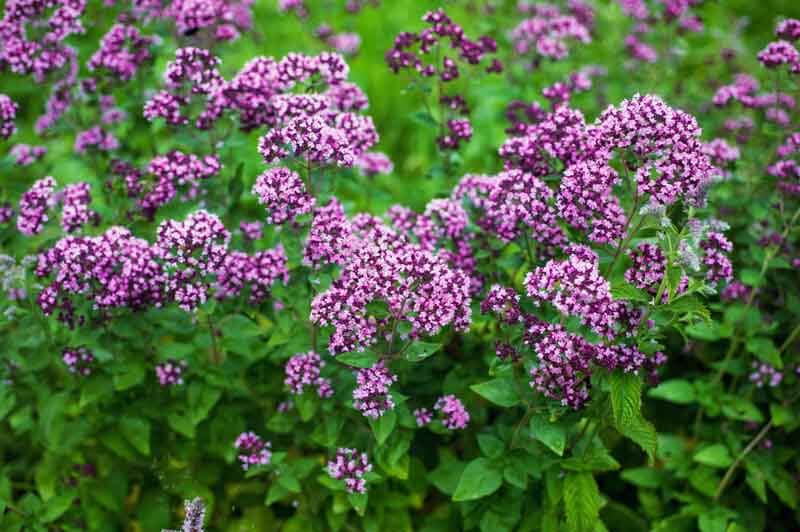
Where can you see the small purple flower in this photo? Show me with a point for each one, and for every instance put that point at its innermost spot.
(254, 451)
(454, 415)
(170, 373)
(8, 112)
(372, 397)
(251, 230)
(283, 194)
(79, 360)
(423, 416)
(26, 155)
(351, 466)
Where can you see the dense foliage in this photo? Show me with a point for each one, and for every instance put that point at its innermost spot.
(358, 265)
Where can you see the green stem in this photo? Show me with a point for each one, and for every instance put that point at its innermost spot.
(732, 469)
(788, 342)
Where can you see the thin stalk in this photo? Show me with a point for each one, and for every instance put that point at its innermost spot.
(732, 469)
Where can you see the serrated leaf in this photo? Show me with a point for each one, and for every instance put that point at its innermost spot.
(479, 479)
(359, 359)
(628, 292)
(626, 404)
(581, 502)
(645, 477)
(501, 391)
(595, 459)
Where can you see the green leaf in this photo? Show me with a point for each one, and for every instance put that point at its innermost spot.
(383, 426)
(552, 435)
(678, 391)
(645, 477)
(359, 502)
(625, 291)
(307, 406)
(56, 507)
(446, 476)
(516, 476)
(7, 402)
(479, 479)
(419, 351)
(781, 415)
(765, 350)
(594, 459)
(626, 404)
(784, 485)
(716, 455)
(240, 326)
(359, 359)
(491, 446)
(500, 391)
(581, 502)
(755, 479)
(276, 492)
(740, 409)
(137, 432)
(131, 373)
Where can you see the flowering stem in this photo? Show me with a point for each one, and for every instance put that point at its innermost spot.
(732, 469)
(215, 354)
(628, 235)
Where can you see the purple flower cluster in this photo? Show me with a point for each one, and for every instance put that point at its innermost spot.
(566, 360)
(418, 286)
(780, 53)
(513, 203)
(95, 138)
(403, 57)
(788, 29)
(586, 201)
(75, 212)
(303, 370)
(26, 155)
(351, 466)
(504, 303)
(257, 272)
(170, 373)
(765, 375)
(51, 21)
(736, 291)
(251, 230)
(173, 171)
(372, 396)
(122, 51)
(458, 130)
(423, 416)
(451, 409)
(718, 265)
(329, 240)
(283, 194)
(575, 287)
(33, 206)
(8, 112)
(547, 33)
(254, 451)
(79, 360)
(648, 267)
(374, 163)
(222, 20)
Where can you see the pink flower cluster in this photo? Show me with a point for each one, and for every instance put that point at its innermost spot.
(116, 270)
(351, 466)
(575, 287)
(52, 21)
(403, 57)
(122, 51)
(547, 33)
(221, 20)
(303, 370)
(283, 194)
(648, 267)
(765, 375)
(95, 138)
(33, 206)
(170, 373)
(418, 287)
(79, 360)
(8, 112)
(374, 163)
(75, 212)
(26, 155)
(173, 171)
(454, 415)
(254, 450)
(372, 397)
